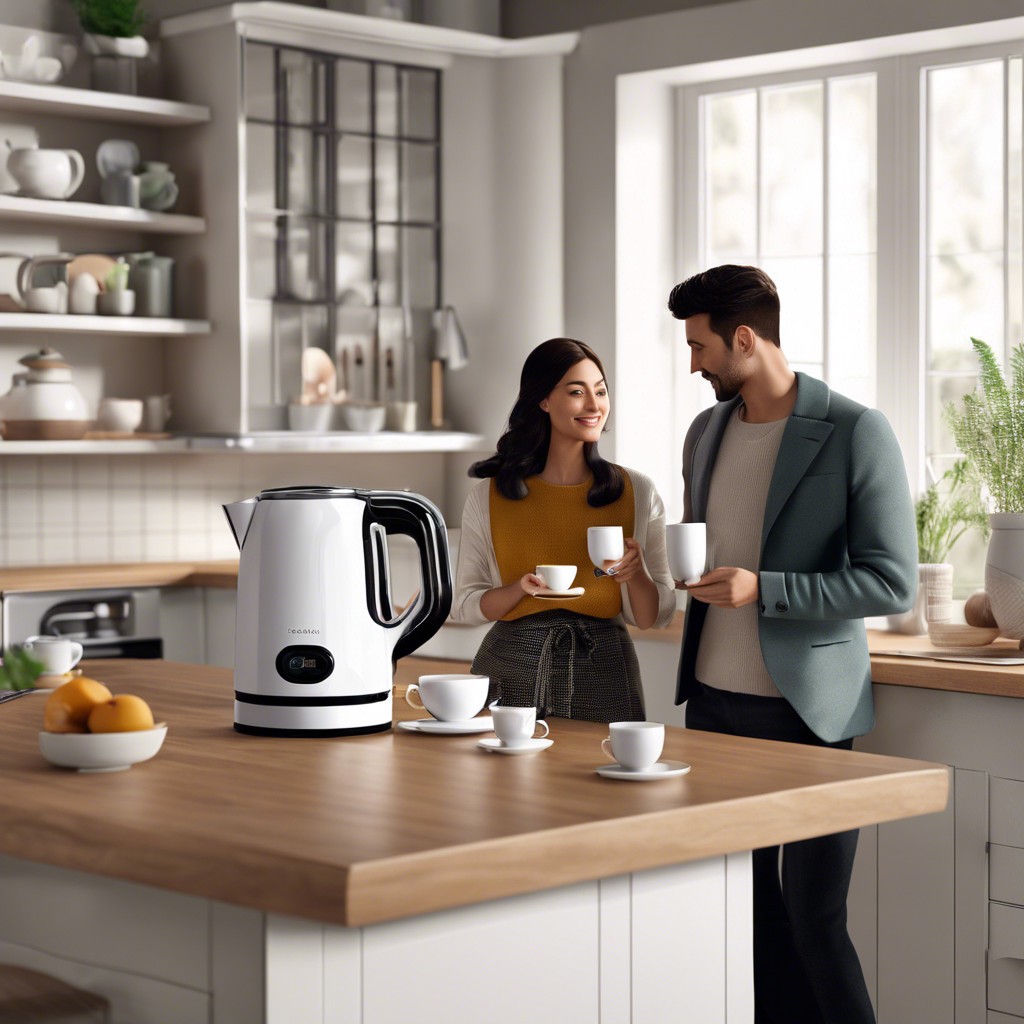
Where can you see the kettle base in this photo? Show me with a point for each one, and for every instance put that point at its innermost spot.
(262, 730)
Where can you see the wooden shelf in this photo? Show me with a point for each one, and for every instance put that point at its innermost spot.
(72, 324)
(61, 101)
(100, 215)
(141, 447)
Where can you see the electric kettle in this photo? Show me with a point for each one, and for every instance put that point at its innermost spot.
(316, 637)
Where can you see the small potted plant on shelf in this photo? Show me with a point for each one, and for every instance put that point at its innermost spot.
(988, 428)
(118, 299)
(112, 38)
(946, 510)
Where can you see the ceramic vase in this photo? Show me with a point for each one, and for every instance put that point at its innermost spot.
(1004, 573)
(934, 602)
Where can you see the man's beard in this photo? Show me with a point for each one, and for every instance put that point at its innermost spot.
(726, 387)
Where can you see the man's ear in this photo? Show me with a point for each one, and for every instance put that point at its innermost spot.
(744, 339)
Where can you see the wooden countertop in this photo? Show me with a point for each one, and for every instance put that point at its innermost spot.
(368, 829)
(220, 574)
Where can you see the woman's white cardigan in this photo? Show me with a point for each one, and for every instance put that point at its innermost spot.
(477, 570)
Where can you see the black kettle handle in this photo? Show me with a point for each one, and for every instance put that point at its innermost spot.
(414, 516)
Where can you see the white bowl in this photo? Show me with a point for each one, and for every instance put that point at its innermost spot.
(120, 415)
(364, 417)
(310, 418)
(101, 751)
(956, 634)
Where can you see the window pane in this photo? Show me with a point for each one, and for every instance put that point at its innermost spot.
(851, 326)
(852, 159)
(419, 267)
(260, 255)
(965, 301)
(792, 170)
(799, 281)
(296, 328)
(258, 74)
(943, 389)
(965, 159)
(354, 345)
(730, 172)
(1015, 196)
(419, 99)
(353, 267)
(386, 79)
(419, 182)
(353, 196)
(352, 95)
(304, 270)
(305, 185)
(387, 179)
(303, 87)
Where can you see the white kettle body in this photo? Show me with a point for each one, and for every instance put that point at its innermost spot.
(316, 637)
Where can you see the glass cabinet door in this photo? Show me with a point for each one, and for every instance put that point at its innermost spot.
(343, 216)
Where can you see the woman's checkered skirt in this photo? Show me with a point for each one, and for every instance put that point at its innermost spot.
(567, 665)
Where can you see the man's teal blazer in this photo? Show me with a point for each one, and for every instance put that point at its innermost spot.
(839, 543)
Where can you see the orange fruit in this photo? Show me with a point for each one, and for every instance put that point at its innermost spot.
(123, 713)
(67, 708)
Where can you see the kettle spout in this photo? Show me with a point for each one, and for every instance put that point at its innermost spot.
(239, 515)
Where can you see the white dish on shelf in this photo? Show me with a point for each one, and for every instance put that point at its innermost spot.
(101, 751)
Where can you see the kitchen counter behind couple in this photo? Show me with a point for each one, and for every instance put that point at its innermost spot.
(221, 574)
(368, 829)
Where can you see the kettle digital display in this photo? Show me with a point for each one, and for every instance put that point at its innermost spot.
(316, 635)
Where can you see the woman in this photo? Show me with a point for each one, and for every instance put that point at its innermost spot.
(541, 490)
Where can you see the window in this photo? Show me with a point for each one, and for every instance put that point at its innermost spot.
(343, 220)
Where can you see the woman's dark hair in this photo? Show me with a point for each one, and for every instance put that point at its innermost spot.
(522, 449)
(731, 296)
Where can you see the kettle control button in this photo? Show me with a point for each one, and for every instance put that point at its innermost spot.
(781, 606)
(304, 663)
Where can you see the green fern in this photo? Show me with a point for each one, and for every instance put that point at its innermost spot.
(989, 428)
(19, 670)
(120, 18)
(946, 511)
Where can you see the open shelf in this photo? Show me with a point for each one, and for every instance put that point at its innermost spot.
(61, 101)
(74, 324)
(67, 211)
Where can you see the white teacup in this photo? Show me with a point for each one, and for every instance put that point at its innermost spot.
(515, 726)
(605, 544)
(57, 654)
(557, 577)
(449, 698)
(634, 745)
(687, 545)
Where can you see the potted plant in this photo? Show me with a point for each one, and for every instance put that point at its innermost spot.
(112, 38)
(988, 428)
(946, 510)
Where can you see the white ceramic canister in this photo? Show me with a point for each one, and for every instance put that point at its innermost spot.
(43, 403)
(1004, 572)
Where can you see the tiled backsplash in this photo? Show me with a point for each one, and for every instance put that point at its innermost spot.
(58, 510)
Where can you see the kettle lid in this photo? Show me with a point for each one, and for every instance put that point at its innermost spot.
(308, 492)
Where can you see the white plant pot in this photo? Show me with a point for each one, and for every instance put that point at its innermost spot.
(934, 602)
(116, 46)
(1004, 573)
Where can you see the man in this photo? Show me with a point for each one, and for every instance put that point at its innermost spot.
(810, 528)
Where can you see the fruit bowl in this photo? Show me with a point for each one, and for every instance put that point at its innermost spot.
(101, 751)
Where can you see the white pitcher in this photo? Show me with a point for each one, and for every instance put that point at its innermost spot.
(47, 173)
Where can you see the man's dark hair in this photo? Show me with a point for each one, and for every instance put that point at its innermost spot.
(731, 296)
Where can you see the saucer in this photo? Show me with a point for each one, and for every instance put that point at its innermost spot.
(560, 595)
(495, 746)
(660, 770)
(433, 725)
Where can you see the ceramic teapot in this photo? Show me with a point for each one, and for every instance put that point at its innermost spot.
(43, 403)
(47, 173)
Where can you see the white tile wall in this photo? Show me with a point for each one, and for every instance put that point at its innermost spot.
(61, 510)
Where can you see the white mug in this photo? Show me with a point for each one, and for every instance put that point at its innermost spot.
(557, 577)
(119, 415)
(634, 745)
(515, 726)
(449, 698)
(57, 654)
(687, 545)
(605, 544)
(156, 412)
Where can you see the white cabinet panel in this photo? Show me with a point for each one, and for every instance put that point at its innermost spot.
(1006, 959)
(182, 624)
(1006, 809)
(1006, 874)
(534, 958)
(219, 608)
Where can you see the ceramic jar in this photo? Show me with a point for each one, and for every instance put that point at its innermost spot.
(43, 403)
(1004, 573)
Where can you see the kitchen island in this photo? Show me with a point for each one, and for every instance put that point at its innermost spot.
(403, 876)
